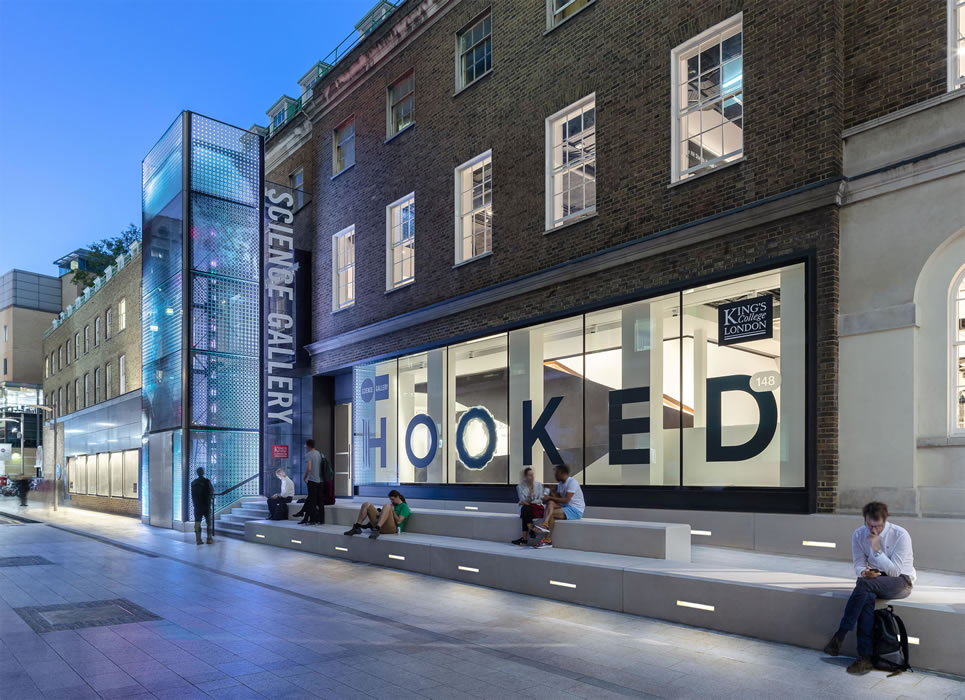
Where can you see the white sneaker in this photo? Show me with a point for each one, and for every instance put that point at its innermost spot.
(544, 530)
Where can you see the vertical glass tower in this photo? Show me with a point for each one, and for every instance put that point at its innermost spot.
(202, 218)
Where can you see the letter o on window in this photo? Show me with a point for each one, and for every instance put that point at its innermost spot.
(479, 459)
(421, 462)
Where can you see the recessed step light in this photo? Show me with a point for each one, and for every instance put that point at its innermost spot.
(695, 606)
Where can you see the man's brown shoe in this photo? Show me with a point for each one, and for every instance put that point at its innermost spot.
(833, 648)
(861, 665)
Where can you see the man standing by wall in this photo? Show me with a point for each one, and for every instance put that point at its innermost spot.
(883, 561)
(202, 497)
(314, 511)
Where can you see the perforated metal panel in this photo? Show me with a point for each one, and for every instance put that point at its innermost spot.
(228, 458)
(224, 238)
(225, 316)
(225, 161)
(224, 391)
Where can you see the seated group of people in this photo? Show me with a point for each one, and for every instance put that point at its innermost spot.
(565, 502)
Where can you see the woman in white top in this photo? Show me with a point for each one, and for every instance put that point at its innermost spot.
(529, 493)
(278, 504)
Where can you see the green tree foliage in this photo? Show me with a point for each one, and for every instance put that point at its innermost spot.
(104, 253)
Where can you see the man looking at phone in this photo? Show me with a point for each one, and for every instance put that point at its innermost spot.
(883, 562)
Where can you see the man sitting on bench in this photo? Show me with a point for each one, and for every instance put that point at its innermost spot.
(883, 562)
(566, 504)
(389, 521)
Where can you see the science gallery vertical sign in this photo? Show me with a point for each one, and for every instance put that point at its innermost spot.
(279, 309)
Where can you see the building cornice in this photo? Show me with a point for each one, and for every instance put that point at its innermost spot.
(821, 194)
(297, 133)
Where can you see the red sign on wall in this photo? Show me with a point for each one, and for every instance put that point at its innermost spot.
(279, 451)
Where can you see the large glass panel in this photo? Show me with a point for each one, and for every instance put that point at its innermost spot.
(546, 397)
(478, 411)
(91, 475)
(374, 417)
(103, 474)
(744, 375)
(632, 368)
(130, 474)
(422, 417)
(117, 474)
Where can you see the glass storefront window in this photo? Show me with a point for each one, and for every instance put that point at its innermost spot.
(702, 387)
(478, 411)
(632, 365)
(546, 387)
(747, 393)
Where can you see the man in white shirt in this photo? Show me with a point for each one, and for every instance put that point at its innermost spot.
(566, 504)
(883, 561)
(278, 504)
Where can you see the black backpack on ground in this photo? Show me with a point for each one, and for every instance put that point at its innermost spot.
(889, 642)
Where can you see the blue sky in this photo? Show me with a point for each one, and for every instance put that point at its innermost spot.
(88, 86)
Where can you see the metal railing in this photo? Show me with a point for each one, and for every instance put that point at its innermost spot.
(325, 66)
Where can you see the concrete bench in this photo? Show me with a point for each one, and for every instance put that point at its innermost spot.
(778, 598)
(641, 539)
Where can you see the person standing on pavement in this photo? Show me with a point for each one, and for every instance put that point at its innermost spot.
(202, 497)
(884, 563)
(314, 510)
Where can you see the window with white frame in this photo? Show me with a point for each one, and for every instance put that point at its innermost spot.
(97, 331)
(558, 11)
(86, 390)
(60, 402)
(279, 118)
(708, 100)
(957, 315)
(297, 182)
(60, 357)
(400, 242)
(86, 339)
(108, 380)
(956, 44)
(571, 163)
(97, 385)
(474, 51)
(122, 374)
(67, 354)
(46, 367)
(343, 268)
(53, 364)
(77, 405)
(401, 104)
(108, 323)
(77, 345)
(122, 314)
(343, 146)
(474, 207)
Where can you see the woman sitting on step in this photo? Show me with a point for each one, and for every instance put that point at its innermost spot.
(388, 520)
(529, 493)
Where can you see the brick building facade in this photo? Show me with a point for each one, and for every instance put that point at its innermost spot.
(809, 72)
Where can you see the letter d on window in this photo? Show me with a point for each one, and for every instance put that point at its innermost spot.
(718, 452)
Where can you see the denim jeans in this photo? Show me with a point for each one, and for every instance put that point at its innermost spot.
(860, 611)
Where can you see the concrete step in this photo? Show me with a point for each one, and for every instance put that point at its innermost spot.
(239, 519)
(224, 527)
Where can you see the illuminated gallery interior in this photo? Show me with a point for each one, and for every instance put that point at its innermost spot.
(579, 390)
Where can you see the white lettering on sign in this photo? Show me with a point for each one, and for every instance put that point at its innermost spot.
(279, 278)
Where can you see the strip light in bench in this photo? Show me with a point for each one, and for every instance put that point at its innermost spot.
(564, 584)
(815, 543)
(911, 640)
(695, 606)
(397, 556)
(705, 533)
(471, 507)
(468, 568)
(296, 541)
(341, 549)
(261, 537)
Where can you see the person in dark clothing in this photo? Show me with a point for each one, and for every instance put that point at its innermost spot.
(314, 510)
(202, 496)
(23, 487)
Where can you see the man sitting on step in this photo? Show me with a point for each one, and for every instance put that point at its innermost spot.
(883, 562)
(278, 504)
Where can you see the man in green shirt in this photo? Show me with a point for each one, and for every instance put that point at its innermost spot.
(391, 520)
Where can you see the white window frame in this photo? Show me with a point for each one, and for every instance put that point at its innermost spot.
(552, 170)
(86, 339)
(108, 322)
(297, 183)
(339, 266)
(553, 14)
(77, 345)
(77, 405)
(390, 104)
(121, 375)
(122, 314)
(97, 385)
(726, 27)
(337, 143)
(460, 215)
(87, 390)
(60, 401)
(956, 45)
(60, 357)
(97, 331)
(391, 245)
(67, 353)
(461, 83)
(954, 344)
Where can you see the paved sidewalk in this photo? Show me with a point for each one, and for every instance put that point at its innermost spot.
(240, 620)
